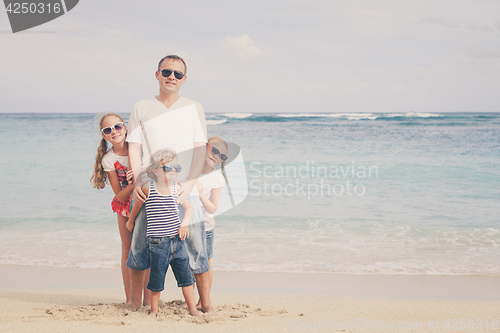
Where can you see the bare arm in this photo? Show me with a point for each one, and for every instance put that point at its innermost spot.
(184, 227)
(135, 162)
(196, 167)
(211, 204)
(133, 213)
(121, 194)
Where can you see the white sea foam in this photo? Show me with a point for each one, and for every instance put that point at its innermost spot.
(422, 115)
(216, 122)
(356, 249)
(237, 115)
(301, 115)
(350, 116)
(393, 115)
(362, 116)
(357, 116)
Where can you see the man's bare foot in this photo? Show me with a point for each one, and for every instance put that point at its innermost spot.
(133, 307)
(147, 303)
(209, 309)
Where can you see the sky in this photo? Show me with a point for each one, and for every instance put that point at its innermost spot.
(314, 56)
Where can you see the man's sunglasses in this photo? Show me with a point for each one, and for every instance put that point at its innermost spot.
(107, 130)
(216, 151)
(168, 167)
(167, 72)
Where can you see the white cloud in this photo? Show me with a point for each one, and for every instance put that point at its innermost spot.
(444, 23)
(441, 22)
(395, 72)
(479, 55)
(242, 46)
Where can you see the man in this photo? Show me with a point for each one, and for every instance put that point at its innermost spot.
(169, 120)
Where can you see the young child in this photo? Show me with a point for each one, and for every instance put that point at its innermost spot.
(209, 186)
(165, 231)
(112, 164)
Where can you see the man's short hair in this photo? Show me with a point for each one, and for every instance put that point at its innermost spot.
(173, 57)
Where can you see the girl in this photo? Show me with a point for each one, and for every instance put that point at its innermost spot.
(165, 232)
(209, 186)
(113, 165)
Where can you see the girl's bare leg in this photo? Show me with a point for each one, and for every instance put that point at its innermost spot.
(147, 293)
(125, 238)
(210, 276)
(188, 293)
(198, 305)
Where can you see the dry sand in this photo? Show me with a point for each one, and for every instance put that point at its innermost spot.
(44, 299)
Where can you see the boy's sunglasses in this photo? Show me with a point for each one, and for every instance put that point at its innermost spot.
(168, 167)
(167, 72)
(107, 130)
(216, 151)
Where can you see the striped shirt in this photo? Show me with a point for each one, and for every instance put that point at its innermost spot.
(162, 213)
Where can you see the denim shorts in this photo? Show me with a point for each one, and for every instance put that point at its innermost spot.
(210, 243)
(138, 258)
(196, 243)
(164, 251)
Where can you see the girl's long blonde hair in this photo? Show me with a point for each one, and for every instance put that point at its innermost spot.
(100, 178)
(217, 138)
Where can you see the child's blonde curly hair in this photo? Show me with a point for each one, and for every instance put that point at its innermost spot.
(164, 155)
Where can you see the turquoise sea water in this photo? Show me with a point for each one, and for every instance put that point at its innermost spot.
(408, 193)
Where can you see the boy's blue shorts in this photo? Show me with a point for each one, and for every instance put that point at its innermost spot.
(165, 251)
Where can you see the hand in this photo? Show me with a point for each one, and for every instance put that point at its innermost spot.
(139, 195)
(199, 186)
(183, 232)
(129, 225)
(185, 190)
(130, 177)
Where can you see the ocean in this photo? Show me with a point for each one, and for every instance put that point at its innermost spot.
(365, 193)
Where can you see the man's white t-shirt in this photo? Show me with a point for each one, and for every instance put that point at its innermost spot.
(156, 127)
(210, 181)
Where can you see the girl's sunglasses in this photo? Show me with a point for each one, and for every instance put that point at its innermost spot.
(167, 72)
(107, 130)
(168, 167)
(216, 151)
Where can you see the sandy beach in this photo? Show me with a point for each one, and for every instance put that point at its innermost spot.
(41, 299)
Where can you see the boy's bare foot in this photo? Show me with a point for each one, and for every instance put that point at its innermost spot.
(153, 314)
(147, 303)
(209, 309)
